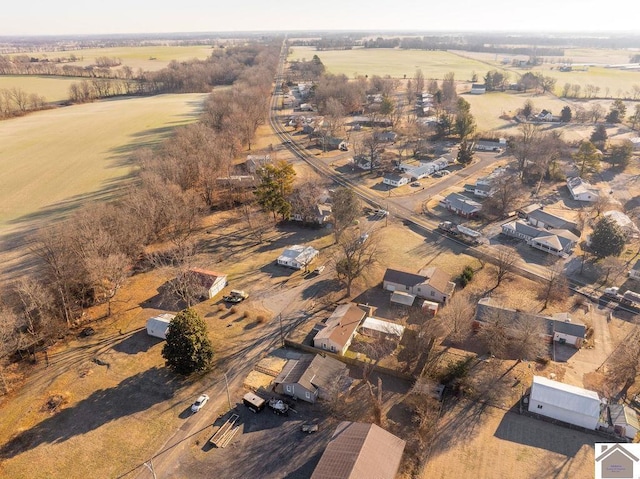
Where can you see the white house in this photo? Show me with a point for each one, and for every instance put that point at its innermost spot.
(158, 325)
(564, 402)
(297, 256)
(478, 89)
(625, 223)
(395, 179)
(581, 190)
(491, 145)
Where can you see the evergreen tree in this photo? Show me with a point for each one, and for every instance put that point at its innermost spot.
(276, 185)
(188, 348)
(607, 238)
(566, 114)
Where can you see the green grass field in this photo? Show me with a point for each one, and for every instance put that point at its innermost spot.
(394, 62)
(51, 88)
(53, 160)
(136, 57)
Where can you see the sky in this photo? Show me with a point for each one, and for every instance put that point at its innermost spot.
(66, 17)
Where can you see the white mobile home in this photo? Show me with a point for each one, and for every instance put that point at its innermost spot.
(158, 325)
(564, 402)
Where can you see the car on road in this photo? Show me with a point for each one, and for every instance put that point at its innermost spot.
(363, 237)
(200, 402)
(235, 296)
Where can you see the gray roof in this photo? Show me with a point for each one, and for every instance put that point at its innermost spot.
(622, 415)
(360, 451)
(558, 323)
(401, 277)
(311, 371)
(462, 203)
(551, 220)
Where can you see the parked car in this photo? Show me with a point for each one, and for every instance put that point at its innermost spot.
(380, 212)
(363, 237)
(309, 428)
(319, 269)
(415, 184)
(235, 296)
(200, 402)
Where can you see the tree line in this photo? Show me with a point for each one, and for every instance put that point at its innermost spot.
(84, 260)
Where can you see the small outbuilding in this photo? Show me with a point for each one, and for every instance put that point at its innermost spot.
(211, 281)
(297, 256)
(624, 420)
(566, 403)
(158, 325)
(379, 328)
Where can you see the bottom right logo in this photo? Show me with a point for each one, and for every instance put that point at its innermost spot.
(617, 461)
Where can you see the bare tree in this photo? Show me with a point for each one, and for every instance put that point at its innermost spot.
(555, 287)
(623, 365)
(507, 193)
(357, 254)
(457, 317)
(504, 260)
(495, 328)
(345, 210)
(258, 222)
(527, 340)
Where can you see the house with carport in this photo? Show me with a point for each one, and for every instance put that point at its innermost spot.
(430, 283)
(297, 256)
(336, 333)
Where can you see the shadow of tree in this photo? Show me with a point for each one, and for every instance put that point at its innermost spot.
(138, 342)
(134, 394)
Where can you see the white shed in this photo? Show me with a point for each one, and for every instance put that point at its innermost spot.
(158, 325)
(564, 402)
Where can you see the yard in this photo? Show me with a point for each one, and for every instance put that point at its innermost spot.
(474, 441)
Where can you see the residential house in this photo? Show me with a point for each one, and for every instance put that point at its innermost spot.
(257, 162)
(310, 377)
(386, 136)
(370, 122)
(380, 328)
(360, 451)
(558, 327)
(484, 187)
(331, 143)
(422, 171)
(364, 162)
(625, 223)
(565, 403)
(212, 282)
(582, 190)
(431, 283)
(337, 332)
(461, 205)
(395, 179)
(297, 256)
(634, 272)
(159, 325)
(624, 420)
(238, 181)
(320, 214)
(544, 219)
(544, 115)
(478, 89)
(554, 241)
(491, 145)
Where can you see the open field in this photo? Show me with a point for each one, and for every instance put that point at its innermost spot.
(149, 58)
(394, 62)
(53, 160)
(53, 89)
(501, 444)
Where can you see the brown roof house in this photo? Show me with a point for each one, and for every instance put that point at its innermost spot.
(430, 283)
(212, 282)
(310, 377)
(360, 451)
(337, 332)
